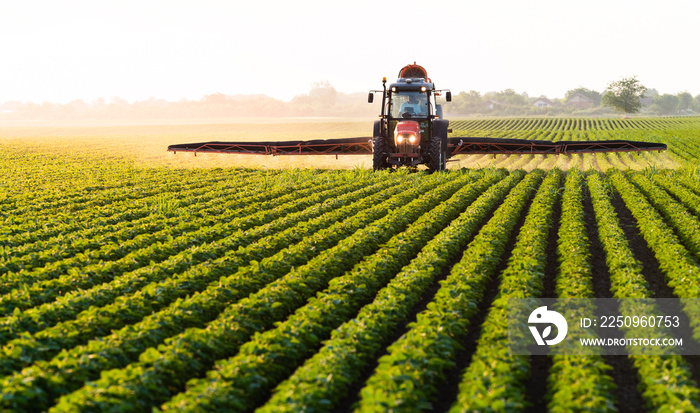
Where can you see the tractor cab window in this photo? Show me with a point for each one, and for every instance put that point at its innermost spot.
(409, 104)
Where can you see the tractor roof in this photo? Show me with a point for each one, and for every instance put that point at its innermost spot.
(411, 83)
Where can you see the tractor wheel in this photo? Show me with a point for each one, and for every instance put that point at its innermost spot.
(379, 159)
(437, 154)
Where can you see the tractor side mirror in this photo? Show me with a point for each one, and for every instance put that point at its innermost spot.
(448, 96)
(370, 98)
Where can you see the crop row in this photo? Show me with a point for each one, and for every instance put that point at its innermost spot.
(689, 199)
(494, 378)
(679, 134)
(300, 295)
(685, 224)
(415, 364)
(312, 263)
(580, 124)
(576, 380)
(67, 306)
(241, 382)
(62, 205)
(324, 380)
(113, 241)
(82, 196)
(99, 215)
(666, 382)
(160, 291)
(675, 259)
(43, 225)
(42, 286)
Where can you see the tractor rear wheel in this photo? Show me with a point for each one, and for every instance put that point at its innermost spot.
(379, 159)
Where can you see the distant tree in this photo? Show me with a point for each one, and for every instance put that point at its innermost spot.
(473, 97)
(623, 95)
(215, 99)
(651, 93)
(665, 104)
(324, 94)
(76, 108)
(466, 103)
(591, 94)
(695, 104)
(685, 100)
(318, 102)
(511, 97)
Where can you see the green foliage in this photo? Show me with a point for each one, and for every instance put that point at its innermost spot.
(129, 289)
(356, 343)
(685, 101)
(624, 95)
(298, 337)
(467, 102)
(576, 381)
(495, 377)
(410, 375)
(510, 97)
(665, 381)
(666, 104)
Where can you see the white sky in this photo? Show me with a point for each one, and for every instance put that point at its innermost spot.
(57, 51)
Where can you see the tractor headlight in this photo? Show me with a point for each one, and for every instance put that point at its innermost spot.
(404, 138)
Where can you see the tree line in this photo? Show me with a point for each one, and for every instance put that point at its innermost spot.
(321, 101)
(625, 96)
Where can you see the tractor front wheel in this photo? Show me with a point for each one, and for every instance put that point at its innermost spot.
(437, 154)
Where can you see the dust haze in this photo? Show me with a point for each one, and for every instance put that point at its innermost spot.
(321, 101)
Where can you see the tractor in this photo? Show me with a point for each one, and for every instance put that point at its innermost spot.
(411, 130)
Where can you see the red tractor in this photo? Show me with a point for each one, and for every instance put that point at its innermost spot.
(411, 130)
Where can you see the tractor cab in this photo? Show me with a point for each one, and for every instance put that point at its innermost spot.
(411, 102)
(408, 111)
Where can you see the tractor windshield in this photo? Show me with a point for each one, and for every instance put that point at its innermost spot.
(409, 104)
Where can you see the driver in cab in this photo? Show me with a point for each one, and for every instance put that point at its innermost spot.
(413, 107)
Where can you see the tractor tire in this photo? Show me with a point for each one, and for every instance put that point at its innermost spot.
(379, 159)
(437, 154)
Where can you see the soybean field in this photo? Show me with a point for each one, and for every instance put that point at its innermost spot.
(143, 284)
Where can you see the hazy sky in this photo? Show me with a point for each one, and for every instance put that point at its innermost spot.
(58, 51)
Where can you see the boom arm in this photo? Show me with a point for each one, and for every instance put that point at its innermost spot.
(347, 146)
(470, 145)
(456, 146)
